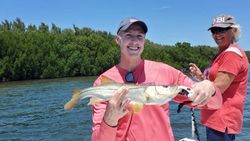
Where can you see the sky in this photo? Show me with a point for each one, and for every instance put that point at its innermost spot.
(168, 21)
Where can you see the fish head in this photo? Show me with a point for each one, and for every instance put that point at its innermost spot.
(161, 94)
(185, 91)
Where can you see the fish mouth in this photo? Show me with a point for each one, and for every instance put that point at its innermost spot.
(186, 91)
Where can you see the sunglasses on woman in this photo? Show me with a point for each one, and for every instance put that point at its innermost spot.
(218, 30)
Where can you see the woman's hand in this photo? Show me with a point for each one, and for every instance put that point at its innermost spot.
(203, 91)
(196, 72)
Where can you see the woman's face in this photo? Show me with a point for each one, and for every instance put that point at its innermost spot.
(222, 36)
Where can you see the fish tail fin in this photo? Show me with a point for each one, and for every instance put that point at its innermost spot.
(73, 101)
(76, 92)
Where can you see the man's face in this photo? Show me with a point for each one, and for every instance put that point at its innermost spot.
(131, 41)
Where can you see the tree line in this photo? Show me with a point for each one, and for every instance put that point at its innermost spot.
(40, 52)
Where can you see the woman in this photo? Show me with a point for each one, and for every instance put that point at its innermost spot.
(229, 72)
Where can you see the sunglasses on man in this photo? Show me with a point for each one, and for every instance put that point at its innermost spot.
(129, 77)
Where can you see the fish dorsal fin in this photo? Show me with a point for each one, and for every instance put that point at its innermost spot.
(106, 80)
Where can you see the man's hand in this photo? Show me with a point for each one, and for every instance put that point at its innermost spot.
(117, 107)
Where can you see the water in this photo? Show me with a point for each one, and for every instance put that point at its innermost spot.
(33, 111)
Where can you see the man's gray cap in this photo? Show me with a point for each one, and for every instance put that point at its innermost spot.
(126, 23)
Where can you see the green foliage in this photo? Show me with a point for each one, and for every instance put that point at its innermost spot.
(248, 55)
(30, 52)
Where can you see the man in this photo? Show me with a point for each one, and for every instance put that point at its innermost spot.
(112, 120)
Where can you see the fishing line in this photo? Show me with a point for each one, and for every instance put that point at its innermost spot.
(194, 124)
(195, 132)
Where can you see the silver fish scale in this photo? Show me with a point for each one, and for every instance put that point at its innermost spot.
(143, 94)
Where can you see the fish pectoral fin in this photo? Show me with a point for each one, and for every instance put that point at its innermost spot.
(73, 101)
(146, 95)
(94, 100)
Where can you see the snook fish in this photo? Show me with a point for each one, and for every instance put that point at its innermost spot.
(139, 95)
